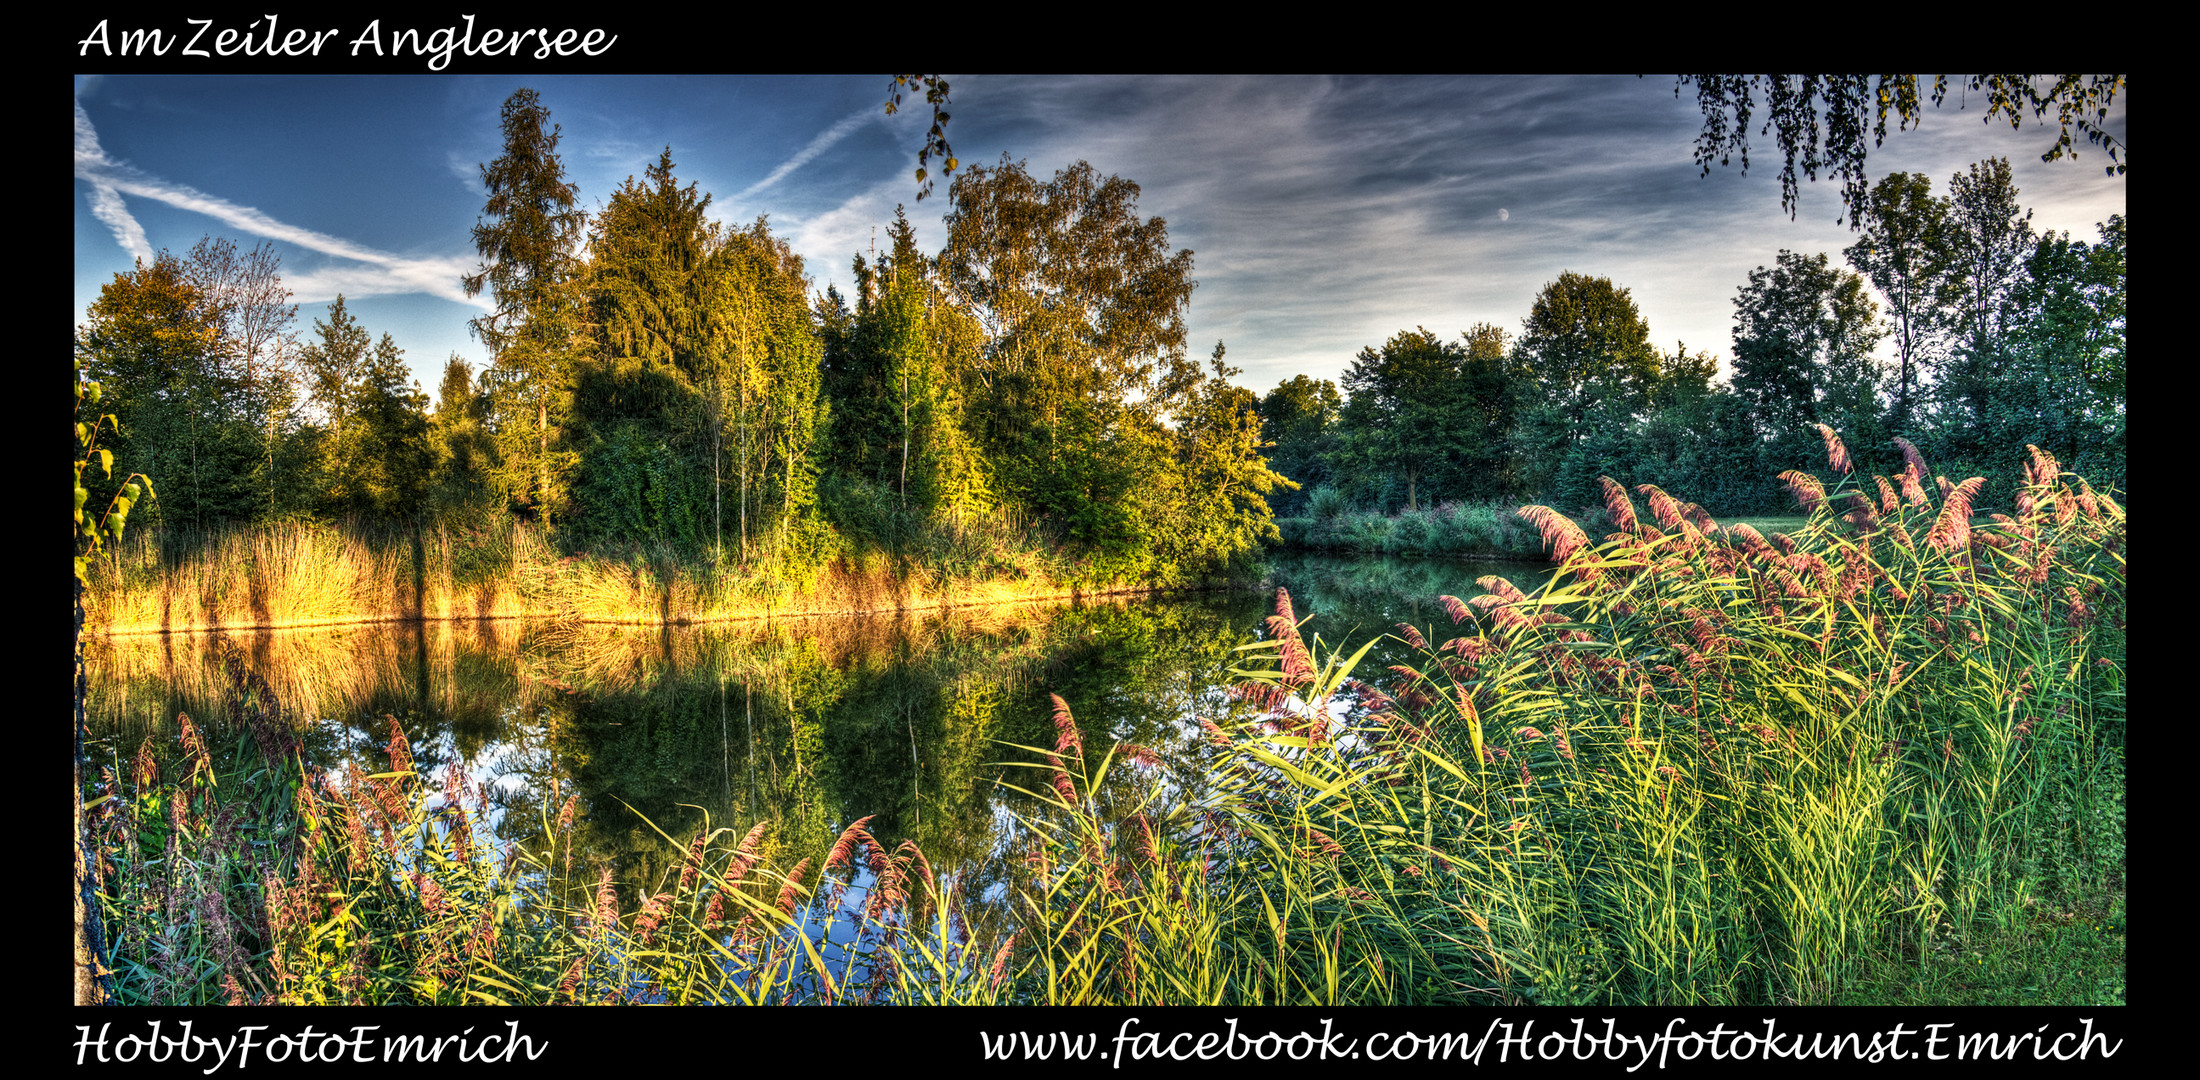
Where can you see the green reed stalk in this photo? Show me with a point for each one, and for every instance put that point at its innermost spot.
(1698, 766)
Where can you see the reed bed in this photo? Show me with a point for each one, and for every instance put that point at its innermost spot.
(1708, 766)
(299, 575)
(387, 887)
(302, 575)
(1702, 765)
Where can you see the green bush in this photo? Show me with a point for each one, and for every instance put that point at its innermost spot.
(1327, 503)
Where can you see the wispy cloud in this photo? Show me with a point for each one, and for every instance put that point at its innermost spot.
(464, 168)
(108, 208)
(384, 272)
(833, 237)
(106, 201)
(819, 145)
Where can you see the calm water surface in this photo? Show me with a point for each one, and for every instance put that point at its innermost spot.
(808, 723)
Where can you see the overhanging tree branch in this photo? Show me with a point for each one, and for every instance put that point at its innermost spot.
(1795, 102)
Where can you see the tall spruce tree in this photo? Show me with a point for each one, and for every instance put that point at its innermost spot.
(645, 418)
(370, 450)
(528, 245)
(923, 341)
(389, 459)
(463, 451)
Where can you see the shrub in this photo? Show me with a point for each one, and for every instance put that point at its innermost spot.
(1327, 503)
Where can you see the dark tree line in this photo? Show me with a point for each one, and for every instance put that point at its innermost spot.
(1952, 324)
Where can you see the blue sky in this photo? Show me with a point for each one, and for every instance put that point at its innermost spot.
(1325, 214)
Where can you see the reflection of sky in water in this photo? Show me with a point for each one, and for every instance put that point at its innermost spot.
(489, 768)
(810, 724)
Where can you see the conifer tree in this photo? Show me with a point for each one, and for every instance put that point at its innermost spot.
(463, 452)
(527, 243)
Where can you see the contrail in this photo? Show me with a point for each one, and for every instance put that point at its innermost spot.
(817, 146)
(112, 179)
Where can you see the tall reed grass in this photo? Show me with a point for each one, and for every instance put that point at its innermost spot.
(1702, 765)
(302, 574)
(294, 575)
(386, 887)
(1709, 766)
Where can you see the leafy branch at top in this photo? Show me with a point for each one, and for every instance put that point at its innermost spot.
(1727, 101)
(935, 95)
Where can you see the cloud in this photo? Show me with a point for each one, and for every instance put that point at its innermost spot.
(384, 273)
(829, 240)
(464, 168)
(106, 202)
(108, 208)
(819, 145)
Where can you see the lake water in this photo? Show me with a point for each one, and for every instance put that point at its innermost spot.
(809, 723)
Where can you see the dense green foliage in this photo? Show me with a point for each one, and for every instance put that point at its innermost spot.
(659, 382)
(892, 368)
(1999, 337)
(175, 383)
(1707, 766)
(1427, 415)
(695, 413)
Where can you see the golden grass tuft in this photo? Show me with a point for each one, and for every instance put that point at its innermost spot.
(292, 575)
(1837, 453)
(1951, 531)
(1617, 504)
(1807, 490)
